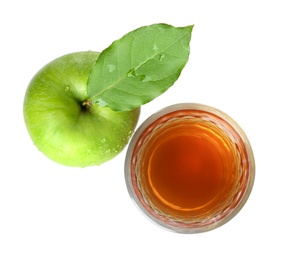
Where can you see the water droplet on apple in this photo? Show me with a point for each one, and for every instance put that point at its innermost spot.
(60, 152)
(103, 140)
(107, 151)
(130, 134)
(66, 89)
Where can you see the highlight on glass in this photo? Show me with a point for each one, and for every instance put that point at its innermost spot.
(190, 168)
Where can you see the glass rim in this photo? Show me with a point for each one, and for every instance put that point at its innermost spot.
(186, 228)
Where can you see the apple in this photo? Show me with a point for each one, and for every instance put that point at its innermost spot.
(64, 125)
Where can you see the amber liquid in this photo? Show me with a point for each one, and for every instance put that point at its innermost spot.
(188, 167)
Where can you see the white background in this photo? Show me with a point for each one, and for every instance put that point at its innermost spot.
(49, 211)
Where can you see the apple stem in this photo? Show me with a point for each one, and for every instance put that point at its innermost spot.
(87, 103)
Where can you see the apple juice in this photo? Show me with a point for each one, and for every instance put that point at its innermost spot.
(190, 167)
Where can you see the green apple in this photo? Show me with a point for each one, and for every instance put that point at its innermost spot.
(64, 125)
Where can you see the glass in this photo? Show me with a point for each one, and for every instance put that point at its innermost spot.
(189, 168)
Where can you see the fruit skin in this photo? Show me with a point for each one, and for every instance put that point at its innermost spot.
(64, 129)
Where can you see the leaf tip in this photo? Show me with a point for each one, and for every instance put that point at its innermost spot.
(190, 27)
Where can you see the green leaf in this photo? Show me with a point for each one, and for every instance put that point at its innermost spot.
(139, 67)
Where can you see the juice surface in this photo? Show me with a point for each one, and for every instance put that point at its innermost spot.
(185, 171)
(188, 168)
